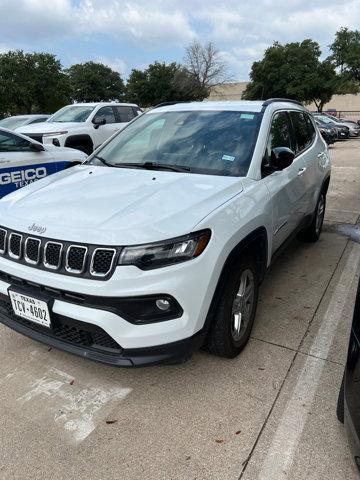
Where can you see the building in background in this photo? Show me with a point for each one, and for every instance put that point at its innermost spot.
(233, 91)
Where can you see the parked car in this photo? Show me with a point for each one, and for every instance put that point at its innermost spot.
(348, 407)
(329, 133)
(158, 243)
(23, 160)
(83, 126)
(353, 129)
(343, 131)
(16, 121)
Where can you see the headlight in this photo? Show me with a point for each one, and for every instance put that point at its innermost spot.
(168, 252)
(50, 134)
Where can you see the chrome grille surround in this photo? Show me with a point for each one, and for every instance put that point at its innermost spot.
(3, 237)
(68, 259)
(27, 250)
(15, 237)
(97, 273)
(48, 245)
(95, 262)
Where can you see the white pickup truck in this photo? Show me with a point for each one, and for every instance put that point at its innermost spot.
(83, 126)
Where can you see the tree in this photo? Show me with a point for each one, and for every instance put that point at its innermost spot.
(346, 53)
(95, 82)
(294, 71)
(162, 82)
(206, 64)
(31, 83)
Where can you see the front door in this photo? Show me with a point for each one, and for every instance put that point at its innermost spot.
(287, 187)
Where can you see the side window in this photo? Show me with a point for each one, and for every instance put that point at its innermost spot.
(13, 143)
(38, 120)
(124, 114)
(280, 134)
(303, 136)
(106, 113)
(311, 128)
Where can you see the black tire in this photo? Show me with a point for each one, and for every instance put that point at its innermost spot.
(313, 231)
(83, 147)
(221, 339)
(340, 411)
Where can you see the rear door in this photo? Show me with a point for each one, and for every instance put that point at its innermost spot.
(287, 187)
(124, 115)
(312, 154)
(19, 164)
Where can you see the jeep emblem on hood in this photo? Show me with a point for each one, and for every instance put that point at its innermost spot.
(36, 228)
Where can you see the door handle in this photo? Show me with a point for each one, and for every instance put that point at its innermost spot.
(301, 171)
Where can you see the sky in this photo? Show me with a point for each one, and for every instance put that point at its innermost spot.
(131, 34)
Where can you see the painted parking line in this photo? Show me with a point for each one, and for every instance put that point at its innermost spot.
(282, 451)
(75, 408)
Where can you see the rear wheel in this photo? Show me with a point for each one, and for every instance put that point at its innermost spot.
(235, 311)
(313, 231)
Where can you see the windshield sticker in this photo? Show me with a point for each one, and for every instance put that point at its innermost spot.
(228, 158)
(247, 116)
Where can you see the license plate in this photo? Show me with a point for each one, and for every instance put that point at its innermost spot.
(30, 308)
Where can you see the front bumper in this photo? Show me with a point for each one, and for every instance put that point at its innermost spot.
(172, 353)
(75, 317)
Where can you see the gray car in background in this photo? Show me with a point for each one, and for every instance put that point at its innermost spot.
(354, 129)
(20, 120)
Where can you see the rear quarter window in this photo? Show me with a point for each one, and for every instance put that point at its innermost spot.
(304, 130)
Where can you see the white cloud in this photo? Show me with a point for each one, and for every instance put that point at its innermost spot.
(242, 30)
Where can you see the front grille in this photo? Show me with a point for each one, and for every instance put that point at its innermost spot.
(66, 329)
(32, 250)
(102, 261)
(90, 261)
(52, 255)
(75, 259)
(15, 245)
(3, 234)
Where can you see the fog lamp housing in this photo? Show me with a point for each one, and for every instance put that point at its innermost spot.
(149, 309)
(56, 142)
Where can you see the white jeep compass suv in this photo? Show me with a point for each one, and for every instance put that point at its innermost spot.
(158, 242)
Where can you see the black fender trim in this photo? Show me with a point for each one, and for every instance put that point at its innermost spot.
(72, 139)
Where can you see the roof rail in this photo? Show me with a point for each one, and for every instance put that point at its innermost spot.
(165, 104)
(273, 100)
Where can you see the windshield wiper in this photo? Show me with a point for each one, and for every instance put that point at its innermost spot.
(102, 160)
(154, 166)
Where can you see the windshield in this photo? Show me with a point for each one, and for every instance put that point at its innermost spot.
(72, 113)
(207, 142)
(13, 122)
(326, 120)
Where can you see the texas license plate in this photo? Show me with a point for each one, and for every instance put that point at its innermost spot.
(30, 308)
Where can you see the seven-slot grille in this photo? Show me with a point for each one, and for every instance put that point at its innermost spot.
(90, 261)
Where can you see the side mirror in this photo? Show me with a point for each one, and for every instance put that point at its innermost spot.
(281, 157)
(37, 147)
(98, 122)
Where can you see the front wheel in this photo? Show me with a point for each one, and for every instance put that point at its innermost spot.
(235, 311)
(312, 232)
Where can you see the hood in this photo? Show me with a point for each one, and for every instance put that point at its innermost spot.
(116, 206)
(47, 127)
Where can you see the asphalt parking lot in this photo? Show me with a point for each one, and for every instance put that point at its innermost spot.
(267, 415)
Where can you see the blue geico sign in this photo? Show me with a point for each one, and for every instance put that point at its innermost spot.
(17, 177)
